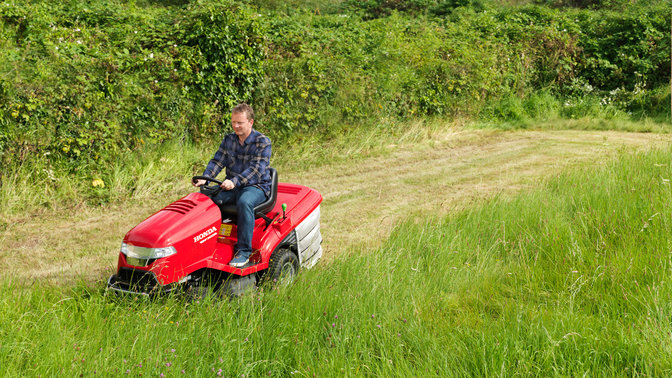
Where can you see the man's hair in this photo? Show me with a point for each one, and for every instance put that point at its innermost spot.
(244, 108)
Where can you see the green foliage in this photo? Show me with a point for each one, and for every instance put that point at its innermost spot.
(330, 70)
(86, 83)
(627, 49)
(446, 7)
(103, 78)
(383, 8)
(596, 4)
(228, 42)
(291, 6)
(371, 9)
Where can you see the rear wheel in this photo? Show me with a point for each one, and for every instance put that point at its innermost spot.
(283, 268)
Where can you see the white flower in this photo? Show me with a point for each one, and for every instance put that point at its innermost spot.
(49, 173)
(79, 42)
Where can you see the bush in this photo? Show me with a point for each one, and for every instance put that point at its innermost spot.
(92, 81)
(228, 51)
(626, 49)
(371, 9)
(85, 83)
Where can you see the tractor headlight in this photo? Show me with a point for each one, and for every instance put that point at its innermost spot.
(143, 253)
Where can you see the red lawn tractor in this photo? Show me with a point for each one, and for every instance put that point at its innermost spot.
(187, 245)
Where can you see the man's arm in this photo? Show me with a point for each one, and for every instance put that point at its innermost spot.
(218, 162)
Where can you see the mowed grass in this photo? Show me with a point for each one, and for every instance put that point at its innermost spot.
(569, 279)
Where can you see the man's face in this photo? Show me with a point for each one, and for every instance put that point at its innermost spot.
(241, 125)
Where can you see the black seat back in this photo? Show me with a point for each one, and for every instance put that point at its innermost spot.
(230, 210)
(269, 204)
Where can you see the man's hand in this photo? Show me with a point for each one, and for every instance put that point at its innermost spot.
(227, 185)
(198, 183)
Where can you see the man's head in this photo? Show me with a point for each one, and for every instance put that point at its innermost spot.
(244, 108)
(242, 119)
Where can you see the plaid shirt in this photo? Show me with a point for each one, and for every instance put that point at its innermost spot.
(246, 164)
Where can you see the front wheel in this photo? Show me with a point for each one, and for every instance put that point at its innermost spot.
(283, 267)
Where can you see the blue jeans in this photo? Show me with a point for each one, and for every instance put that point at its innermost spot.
(245, 198)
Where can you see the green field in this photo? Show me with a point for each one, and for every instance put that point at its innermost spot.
(569, 279)
(496, 177)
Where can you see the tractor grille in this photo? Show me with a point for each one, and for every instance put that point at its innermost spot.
(182, 206)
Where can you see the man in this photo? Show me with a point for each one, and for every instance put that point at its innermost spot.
(246, 155)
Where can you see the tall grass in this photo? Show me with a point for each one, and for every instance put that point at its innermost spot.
(542, 109)
(37, 185)
(569, 279)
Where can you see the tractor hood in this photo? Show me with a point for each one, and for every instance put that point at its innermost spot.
(194, 219)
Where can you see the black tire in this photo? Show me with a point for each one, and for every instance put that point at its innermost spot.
(283, 267)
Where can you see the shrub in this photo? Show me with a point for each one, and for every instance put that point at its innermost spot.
(89, 81)
(371, 9)
(228, 51)
(84, 83)
(626, 48)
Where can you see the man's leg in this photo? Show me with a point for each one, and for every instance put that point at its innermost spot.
(248, 198)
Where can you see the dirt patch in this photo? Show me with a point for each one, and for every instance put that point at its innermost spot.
(363, 200)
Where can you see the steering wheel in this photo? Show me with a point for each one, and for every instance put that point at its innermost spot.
(208, 190)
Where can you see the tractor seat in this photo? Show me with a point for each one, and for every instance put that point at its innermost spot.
(230, 210)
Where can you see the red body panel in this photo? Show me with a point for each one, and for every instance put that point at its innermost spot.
(192, 224)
